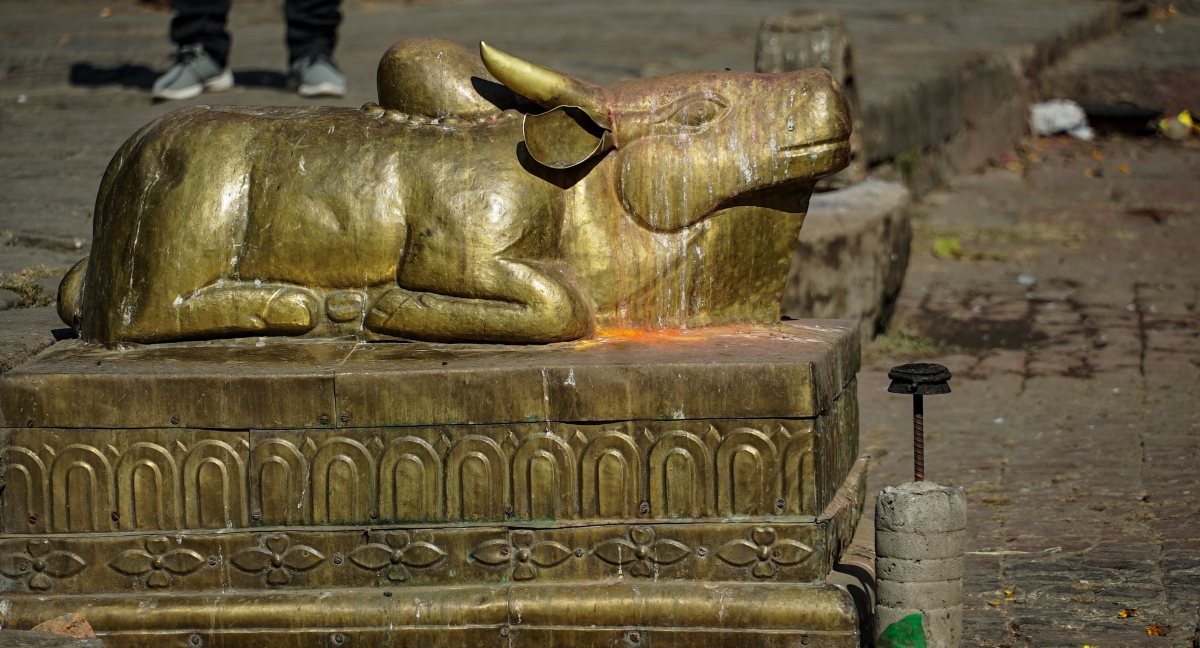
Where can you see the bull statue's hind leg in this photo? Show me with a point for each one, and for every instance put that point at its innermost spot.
(530, 305)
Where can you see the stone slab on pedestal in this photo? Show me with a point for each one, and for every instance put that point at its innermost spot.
(25, 332)
(851, 257)
(28, 639)
(694, 485)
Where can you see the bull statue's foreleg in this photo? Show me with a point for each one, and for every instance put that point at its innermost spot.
(246, 309)
(230, 309)
(527, 304)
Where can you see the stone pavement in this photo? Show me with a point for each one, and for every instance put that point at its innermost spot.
(1070, 320)
(73, 83)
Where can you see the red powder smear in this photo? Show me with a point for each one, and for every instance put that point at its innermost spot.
(606, 335)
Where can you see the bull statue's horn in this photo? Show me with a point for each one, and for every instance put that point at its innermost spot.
(544, 86)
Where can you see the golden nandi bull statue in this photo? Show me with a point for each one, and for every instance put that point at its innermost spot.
(460, 209)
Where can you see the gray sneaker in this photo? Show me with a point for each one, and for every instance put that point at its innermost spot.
(316, 76)
(194, 72)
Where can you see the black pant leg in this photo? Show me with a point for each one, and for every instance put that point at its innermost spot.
(311, 27)
(202, 21)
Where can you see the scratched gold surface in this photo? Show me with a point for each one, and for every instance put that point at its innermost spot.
(484, 200)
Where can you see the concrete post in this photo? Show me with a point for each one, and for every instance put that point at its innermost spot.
(920, 538)
(816, 39)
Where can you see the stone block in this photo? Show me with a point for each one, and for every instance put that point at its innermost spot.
(921, 507)
(49, 286)
(920, 546)
(67, 625)
(31, 639)
(920, 537)
(851, 257)
(923, 594)
(816, 39)
(8, 299)
(25, 332)
(1153, 64)
(930, 569)
(944, 624)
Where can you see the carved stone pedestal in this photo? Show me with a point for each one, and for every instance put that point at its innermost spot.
(671, 489)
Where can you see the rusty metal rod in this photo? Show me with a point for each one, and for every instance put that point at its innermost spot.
(919, 437)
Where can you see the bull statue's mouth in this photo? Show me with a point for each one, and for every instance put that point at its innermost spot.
(813, 149)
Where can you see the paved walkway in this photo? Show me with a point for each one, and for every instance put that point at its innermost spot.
(1072, 328)
(83, 77)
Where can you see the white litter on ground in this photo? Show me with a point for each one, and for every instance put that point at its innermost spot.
(1060, 116)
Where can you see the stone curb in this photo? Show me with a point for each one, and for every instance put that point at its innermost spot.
(25, 332)
(924, 570)
(850, 259)
(918, 546)
(960, 120)
(925, 595)
(945, 622)
(921, 507)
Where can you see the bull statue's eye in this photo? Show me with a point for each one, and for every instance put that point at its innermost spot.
(697, 113)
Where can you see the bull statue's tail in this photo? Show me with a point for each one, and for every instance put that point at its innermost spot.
(70, 294)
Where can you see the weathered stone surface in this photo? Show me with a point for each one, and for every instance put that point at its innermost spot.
(924, 525)
(932, 569)
(279, 383)
(921, 507)
(969, 108)
(31, 639)
(816, 39)
(1073, 425)
(851, 257)
(1154, 64)
(8, 299)
(67, 625)
(924, 595)
(919, 546)
(942, 623)
(26, 331)
(49, 286)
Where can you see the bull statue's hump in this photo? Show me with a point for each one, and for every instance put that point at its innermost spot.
(484, 199)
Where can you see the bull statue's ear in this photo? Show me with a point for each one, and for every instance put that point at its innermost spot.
(564, 137)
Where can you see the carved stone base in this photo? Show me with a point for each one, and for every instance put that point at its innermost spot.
(690, 488)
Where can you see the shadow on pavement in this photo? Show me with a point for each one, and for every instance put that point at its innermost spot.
(140, 76)
(130, 76)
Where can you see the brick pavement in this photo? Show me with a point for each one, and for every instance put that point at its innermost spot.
(1073, 424)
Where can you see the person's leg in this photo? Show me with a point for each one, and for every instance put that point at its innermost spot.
(203, 22)
(202, 62)
(311, 35)
(311, 28)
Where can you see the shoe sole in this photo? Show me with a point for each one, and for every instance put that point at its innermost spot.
(325, 89)
(219, 83)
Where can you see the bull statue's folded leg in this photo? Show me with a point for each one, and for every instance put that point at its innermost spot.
(246, 309)
(533, 306)
(227, 309)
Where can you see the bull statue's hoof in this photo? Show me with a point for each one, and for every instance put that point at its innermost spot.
(387, 313)
(289, 312)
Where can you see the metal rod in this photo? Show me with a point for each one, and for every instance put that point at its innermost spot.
(919, 437)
